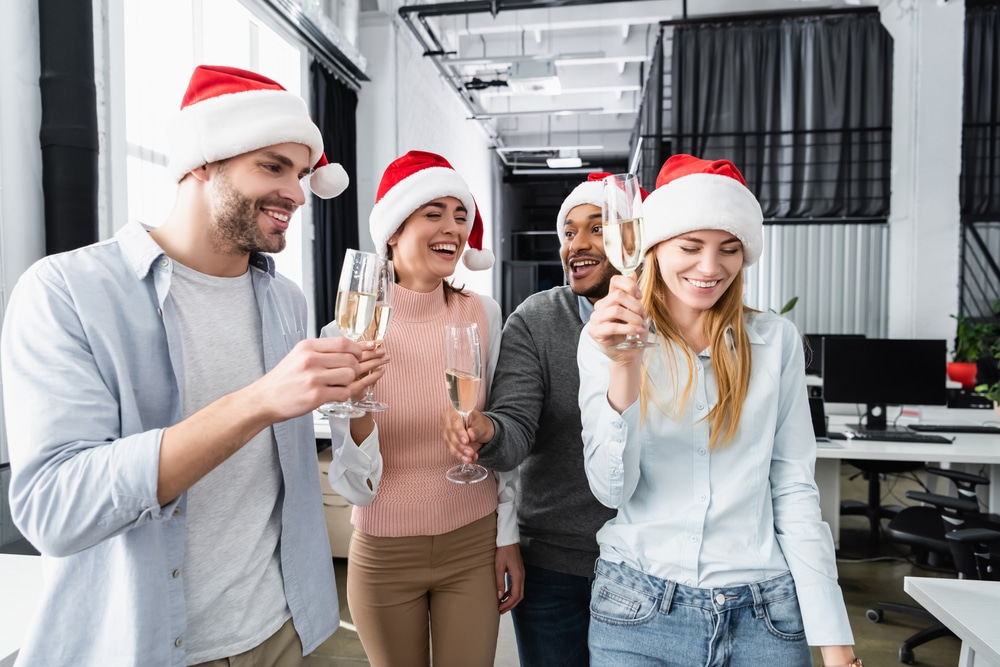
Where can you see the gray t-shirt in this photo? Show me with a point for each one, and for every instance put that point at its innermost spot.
(232, 570)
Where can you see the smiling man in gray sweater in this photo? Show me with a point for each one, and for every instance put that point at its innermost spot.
(533, 421)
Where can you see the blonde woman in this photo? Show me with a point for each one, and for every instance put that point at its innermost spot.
(703, 443)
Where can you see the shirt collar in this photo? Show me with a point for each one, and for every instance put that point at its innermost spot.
(142, 252)
(585, 307)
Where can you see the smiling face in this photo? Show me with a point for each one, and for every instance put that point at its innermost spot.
(698, 267)
(582, 253)
(427, 246)
(253, 197)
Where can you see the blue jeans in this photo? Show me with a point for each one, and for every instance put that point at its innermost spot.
(551, 621)
(637, 619)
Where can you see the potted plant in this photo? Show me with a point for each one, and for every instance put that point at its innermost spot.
(970, 345)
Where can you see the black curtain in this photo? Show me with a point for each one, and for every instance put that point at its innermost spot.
(980, 183)
(336, 220)
(802, 105)
(68, 133)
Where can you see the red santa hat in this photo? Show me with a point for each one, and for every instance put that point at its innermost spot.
(228, 111)
(411, 181)
(692, 194)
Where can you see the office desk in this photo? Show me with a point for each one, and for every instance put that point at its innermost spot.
(971, 448)
(969, 608)
(20, 588)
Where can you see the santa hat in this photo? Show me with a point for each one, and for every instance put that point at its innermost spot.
(693, 194)
(228, 111)
(591, 191)
(411, 181)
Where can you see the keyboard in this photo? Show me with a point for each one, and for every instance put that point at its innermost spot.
(954, 428)
(896, 436)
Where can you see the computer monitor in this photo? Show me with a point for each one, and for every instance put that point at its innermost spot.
(813, 348)
(884, 371)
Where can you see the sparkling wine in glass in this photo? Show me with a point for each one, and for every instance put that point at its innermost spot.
(357, 293)
(378, 328)
(462, 376)
(622, 230)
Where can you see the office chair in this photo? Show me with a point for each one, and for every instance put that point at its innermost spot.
(926, 529)
(874, 509)
(976, 552)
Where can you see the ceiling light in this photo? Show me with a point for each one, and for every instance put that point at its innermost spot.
(564, 162)
(534, 77)
(533, 112)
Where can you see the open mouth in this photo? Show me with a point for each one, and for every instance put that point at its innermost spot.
(582, 266)
(279, 216)
(446, 250)
(703, 284)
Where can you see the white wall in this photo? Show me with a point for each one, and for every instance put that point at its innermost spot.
(22, 223)
(407, 106)
(924, 232)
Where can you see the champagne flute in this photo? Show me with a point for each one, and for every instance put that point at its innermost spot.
(462, 375)
(621, 215)
(378, 328)
(356, 295)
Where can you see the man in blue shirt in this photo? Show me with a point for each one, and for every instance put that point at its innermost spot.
(158, 390)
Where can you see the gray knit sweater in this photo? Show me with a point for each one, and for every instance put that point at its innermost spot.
(534, 406)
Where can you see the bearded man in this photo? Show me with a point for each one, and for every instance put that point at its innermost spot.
(158, 390)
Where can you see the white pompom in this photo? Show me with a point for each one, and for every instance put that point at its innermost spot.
(329, 181)
(478, 260)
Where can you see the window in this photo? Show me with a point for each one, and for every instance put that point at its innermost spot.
(163, 42)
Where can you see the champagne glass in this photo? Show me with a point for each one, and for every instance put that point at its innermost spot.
(621, 214)
(356, 295)
(462, 375)
(379, 326)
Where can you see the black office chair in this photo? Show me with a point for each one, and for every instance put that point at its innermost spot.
(873, 471)
(927, 530)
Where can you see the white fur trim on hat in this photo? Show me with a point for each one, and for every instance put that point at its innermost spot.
(229, 125)
(411, 193)
(704, 201)
(588, 192)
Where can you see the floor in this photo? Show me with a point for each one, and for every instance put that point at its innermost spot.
(864, 578)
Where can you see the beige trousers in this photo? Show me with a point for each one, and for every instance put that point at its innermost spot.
(410, 596)
(282, 649)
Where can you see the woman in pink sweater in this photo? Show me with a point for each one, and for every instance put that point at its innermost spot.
(432, 564)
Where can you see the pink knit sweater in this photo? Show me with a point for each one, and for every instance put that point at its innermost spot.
(414, 497)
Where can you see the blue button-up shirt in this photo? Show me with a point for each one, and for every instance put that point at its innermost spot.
(92, 370)
(738, 514)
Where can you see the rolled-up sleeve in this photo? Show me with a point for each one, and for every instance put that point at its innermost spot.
(356, 470)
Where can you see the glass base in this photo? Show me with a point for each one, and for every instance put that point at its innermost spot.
(371, 406)
(633, 342)
(466, 474)
(341, 410)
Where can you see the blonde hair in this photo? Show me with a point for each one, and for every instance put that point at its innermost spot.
(731, 362)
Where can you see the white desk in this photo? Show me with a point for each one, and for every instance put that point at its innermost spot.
(978, 449)
(969, 608)
(20, 588)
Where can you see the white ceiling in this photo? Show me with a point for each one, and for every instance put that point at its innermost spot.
(600, 54)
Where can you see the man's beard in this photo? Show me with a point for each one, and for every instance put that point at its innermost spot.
(598, 290)
(234, 221)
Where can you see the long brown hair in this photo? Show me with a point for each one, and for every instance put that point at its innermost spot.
(730, 361)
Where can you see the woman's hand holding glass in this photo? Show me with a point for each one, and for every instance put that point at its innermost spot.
(463, 375)
(618, 315)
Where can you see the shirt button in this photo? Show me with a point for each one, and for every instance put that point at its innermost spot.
(178, 642)
(694, 538)
(701, 498)
(720, 599)
(689, 583)
(166, 262)
(175, 574)
(177, 510)
(701, 451)
(701, 406)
